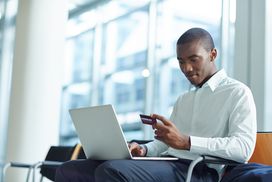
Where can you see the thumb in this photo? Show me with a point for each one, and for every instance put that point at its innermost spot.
(162, 119)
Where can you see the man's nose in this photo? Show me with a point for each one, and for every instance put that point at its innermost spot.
(187, 68)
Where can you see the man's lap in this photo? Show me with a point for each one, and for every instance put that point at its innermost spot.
(136, 170)
(131, 170)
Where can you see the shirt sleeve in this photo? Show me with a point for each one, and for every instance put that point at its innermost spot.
(240, 142)
(155, 148)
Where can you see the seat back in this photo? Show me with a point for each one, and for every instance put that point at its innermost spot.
(263, 149)
(60, 154)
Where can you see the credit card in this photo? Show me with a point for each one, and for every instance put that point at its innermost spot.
(147, 119)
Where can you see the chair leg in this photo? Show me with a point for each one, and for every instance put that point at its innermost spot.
(28, 174)
(30, 167)
(35, 167)
(191, 168)
(6, 166)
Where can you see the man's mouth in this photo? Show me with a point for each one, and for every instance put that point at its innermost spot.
(191, 75)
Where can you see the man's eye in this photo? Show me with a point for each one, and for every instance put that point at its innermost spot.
(194, 60)
(181, 62)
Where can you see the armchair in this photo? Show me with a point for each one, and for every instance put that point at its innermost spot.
(261, 155)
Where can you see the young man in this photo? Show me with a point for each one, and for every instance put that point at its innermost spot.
(216, 118)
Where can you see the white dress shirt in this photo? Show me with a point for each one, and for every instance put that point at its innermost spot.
(219, 117)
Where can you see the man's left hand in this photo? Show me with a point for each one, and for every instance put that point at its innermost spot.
(168, 133)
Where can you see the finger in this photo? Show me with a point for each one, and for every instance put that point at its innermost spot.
(159, 138)
(159, 133)
(162, 119)
(133, 146)
(160, 126)
(162, 139)
(154, 126)
(136, 150)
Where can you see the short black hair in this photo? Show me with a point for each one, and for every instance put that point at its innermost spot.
(197, 34)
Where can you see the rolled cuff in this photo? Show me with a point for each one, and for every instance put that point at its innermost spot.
(199, 145)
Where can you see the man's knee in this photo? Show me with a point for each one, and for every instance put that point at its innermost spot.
(110, 171)
(78, 170)
(63, 172)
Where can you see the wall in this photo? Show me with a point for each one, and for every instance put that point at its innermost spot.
(252, 57)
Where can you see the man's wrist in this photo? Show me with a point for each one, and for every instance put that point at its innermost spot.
(145, 149)
(189, 143)
(186, 143)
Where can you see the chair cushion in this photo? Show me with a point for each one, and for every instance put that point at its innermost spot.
(59, 154)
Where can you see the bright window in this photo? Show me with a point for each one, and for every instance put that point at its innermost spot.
(116, 49)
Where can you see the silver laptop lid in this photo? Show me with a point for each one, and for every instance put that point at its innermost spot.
(100, 133)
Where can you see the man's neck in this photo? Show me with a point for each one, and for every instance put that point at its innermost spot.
(206, 79)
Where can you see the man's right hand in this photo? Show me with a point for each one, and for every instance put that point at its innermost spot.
(136, 149)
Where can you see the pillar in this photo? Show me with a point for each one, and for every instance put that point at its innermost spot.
(36, 81)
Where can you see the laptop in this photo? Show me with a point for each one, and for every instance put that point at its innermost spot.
(101, 135)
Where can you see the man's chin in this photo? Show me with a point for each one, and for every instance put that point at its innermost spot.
(194, 83)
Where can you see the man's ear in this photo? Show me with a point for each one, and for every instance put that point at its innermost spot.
(213, 54)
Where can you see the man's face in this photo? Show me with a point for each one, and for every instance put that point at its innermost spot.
(196, 62)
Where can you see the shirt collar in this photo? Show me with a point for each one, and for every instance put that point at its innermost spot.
(215, 80)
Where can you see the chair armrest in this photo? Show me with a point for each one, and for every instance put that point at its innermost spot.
(51, 163)
(19, 165)
(191, 167)
(140, 141)
(48, 168)
(219, 160)
(208, 159)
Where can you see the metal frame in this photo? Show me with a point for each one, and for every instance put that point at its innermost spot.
(209, 160)
(32, 168)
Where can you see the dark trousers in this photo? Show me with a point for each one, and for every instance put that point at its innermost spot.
(250, 172)
(132, 170)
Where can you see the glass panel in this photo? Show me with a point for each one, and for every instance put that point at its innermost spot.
(122, 32)
(124, 60)
(82, 23)
(77, 82)
(175, 17)
(79, 51)
(73, 96)
(115, 9)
